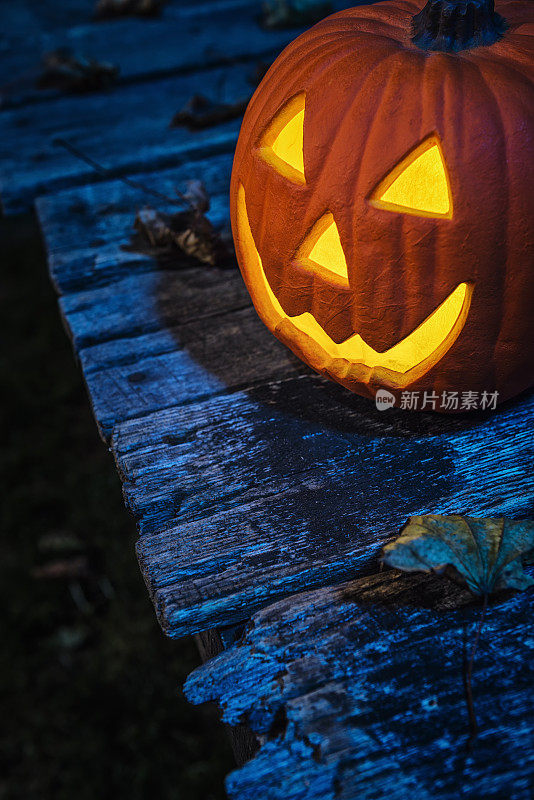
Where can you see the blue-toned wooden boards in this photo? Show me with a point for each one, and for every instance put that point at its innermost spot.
(249, 477)
(125, 129)
(212, 49)
(356, 692)
(184, 37)
(89, 234)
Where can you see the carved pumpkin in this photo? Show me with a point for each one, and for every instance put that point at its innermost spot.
(382, 199)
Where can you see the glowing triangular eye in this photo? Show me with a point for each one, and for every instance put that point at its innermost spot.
(322, 251)
(282, 143)
(419, 184)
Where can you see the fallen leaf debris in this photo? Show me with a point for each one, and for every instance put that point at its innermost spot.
(200, 112)
(484, 554)
(189, 231)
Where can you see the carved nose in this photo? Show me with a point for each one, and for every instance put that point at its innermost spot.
(322, 252)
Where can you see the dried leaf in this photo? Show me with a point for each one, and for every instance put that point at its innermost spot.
(200, 112)
(107, 9)
(187, 231)
(294, 13)
(75, 73)
(485, 554)
(154, 227)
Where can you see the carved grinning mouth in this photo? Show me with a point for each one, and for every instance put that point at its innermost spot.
(396, 367)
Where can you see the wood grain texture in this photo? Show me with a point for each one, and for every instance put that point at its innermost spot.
(188, 364)
(356, 692)
(89, 228)
(244, 743)
(147, 334)
(307, 485)
(249, 477)
(211, 49)
(125, 129)
(184, 37)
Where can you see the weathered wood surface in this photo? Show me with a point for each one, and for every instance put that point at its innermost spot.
(183, 37)
(89, 238)
(130, 332)
(356, 693)
(211, 49)
(249, 477)
(125, 129)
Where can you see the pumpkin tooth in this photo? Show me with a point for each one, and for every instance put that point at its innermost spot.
(420, 350)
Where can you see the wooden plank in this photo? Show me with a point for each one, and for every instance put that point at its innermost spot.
(26, 26)
(244, 743)
(246, 497)
(185, 37)
(119, 315)
(163, 62)
(89, 229)
(356, 692)
(309, 427)
(181, 365)
(125, 128)
(167, 329)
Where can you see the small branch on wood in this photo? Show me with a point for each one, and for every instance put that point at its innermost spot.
(468, 550)
(71, 72)
(109, 9)
(180, 198)
(200, 112)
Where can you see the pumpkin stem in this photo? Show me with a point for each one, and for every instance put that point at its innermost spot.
(453, 25)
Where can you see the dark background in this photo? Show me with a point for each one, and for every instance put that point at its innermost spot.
(91, 699)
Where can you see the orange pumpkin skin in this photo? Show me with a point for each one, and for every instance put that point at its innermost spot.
(371, 96)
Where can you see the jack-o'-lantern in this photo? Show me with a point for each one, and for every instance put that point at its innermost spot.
(382, 197)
